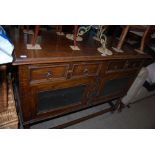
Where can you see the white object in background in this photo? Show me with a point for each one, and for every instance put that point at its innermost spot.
(6, 48)
(151, 73)
(135, 88)
(5, 58)
(5, 45)
(2, 31)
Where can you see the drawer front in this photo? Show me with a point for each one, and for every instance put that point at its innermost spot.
(125, 65)
(115, 66)
(133, 64)
(45, 73)
(86, 69)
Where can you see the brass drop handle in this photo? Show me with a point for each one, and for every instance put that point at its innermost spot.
(49, 75)
(86, 71)
(69, 74)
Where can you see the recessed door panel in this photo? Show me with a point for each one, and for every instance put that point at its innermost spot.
(56, 99)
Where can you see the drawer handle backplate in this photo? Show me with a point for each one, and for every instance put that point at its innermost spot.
(49, 75)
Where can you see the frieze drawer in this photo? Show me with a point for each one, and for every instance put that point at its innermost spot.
(45, 73)
(86, 69)
(115, 66)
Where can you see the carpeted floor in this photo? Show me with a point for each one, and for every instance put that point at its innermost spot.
(140, 115)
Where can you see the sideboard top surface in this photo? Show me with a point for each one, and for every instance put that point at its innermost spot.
(57, 49)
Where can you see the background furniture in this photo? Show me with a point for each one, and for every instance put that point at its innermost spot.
(137, 91)
(58, 29)
(56, 80)
(8, 117)
(3, 88)
(147, 31)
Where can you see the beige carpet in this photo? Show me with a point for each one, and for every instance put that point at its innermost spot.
(141, 115)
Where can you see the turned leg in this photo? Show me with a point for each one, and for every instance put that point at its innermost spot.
(119, 105)
(112, 106)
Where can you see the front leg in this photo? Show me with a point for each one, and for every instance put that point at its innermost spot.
(120, 105)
